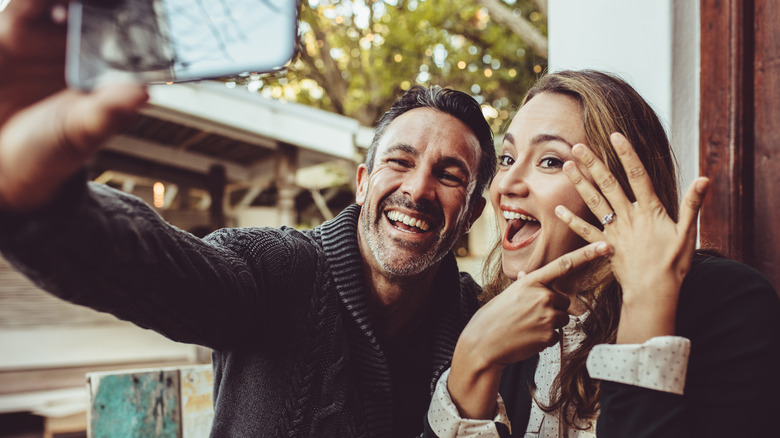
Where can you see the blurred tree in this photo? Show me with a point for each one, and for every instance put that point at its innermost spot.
(358, 56)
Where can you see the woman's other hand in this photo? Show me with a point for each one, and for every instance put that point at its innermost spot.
(652, 252)
(517, 324)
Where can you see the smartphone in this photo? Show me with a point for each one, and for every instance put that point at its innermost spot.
(164, 41)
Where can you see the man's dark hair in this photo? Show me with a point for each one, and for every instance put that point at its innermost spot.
(455, 103)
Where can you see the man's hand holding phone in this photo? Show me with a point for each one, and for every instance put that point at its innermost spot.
(47, 132)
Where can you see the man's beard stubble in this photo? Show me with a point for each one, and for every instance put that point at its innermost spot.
(383, 250)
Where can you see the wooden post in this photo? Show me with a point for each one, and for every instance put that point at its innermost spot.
(739, 131)
(217, 179)
(725, 126)
(767, 140)
(287, 166)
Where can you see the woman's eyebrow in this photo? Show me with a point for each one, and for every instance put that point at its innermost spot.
(538, 139)
(509, 137)
(544, 138)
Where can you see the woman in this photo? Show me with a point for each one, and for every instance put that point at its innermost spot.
(652, 297)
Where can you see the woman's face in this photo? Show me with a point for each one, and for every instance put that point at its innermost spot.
(531, 182)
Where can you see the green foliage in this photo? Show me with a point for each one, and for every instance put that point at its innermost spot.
(358, 56)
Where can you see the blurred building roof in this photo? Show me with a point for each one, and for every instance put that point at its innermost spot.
(187, 128)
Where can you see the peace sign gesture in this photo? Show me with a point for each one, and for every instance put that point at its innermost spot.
(653, 253)
(520, 322)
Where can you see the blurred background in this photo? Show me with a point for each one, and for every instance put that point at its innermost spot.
(282, 149)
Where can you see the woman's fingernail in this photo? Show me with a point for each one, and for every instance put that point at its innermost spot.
(578, 150)
(560, 211)
(568, 167)
(602, 248)
(701, 185)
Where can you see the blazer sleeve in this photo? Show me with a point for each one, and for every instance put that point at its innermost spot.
(731, 314)
(101, 248)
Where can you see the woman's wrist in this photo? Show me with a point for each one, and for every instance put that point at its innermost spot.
(473, 383)
(647, 315)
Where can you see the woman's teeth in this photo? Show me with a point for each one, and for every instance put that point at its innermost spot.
(397, 216)
(514, 215)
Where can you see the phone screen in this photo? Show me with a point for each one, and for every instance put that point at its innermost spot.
(159, 41)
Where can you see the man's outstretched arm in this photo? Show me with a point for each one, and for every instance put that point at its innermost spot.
(97, 247)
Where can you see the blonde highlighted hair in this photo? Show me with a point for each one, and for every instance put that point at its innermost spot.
(609, 105)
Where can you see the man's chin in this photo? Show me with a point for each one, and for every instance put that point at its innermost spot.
(404, 263)
(404, 271)
(402, 258)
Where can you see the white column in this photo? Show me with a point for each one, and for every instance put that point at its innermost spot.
(652, 44)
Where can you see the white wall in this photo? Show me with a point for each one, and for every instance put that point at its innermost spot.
(652, 44)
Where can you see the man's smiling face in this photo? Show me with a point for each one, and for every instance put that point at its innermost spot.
(416, 201)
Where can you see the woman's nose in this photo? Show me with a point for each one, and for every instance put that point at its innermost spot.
(513, 182)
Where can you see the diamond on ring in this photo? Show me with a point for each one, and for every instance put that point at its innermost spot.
(608, 218)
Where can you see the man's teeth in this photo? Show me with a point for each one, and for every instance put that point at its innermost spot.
(515, 215)
(408, 220)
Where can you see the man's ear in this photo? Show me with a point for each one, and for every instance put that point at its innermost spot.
(475, 211)
(362, 184)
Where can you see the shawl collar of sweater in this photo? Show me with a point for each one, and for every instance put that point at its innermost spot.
(339, 240)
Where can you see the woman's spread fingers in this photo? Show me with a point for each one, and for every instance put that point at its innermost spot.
(592, 197)
(638, 178)
(605, 180)
(578, 225)
(691, 206)
(569, 262)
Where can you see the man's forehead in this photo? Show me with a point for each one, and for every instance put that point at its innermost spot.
(427, 130)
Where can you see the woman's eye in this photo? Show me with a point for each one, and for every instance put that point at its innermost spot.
(505, 160)
(550, 163)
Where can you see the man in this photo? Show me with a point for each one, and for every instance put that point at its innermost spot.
(337, 331)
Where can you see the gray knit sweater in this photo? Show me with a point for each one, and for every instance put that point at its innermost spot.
(285, 311)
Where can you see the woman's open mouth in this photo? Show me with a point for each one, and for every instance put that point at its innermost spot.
(521, 230)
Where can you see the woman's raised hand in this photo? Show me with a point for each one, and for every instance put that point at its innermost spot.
(517, 324)
(652, 252)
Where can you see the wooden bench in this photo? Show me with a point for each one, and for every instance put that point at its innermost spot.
(173, 402)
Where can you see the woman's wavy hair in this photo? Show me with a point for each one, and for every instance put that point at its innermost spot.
(608, 105)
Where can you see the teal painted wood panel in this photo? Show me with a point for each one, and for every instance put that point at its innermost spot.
(135, 404)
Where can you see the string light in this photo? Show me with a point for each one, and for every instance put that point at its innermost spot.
(159, 194)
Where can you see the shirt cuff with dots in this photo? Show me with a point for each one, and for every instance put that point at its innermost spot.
(446, 422)
(660, 363)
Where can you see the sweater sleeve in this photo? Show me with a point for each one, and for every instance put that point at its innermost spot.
(731, 314)
(101, 248)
